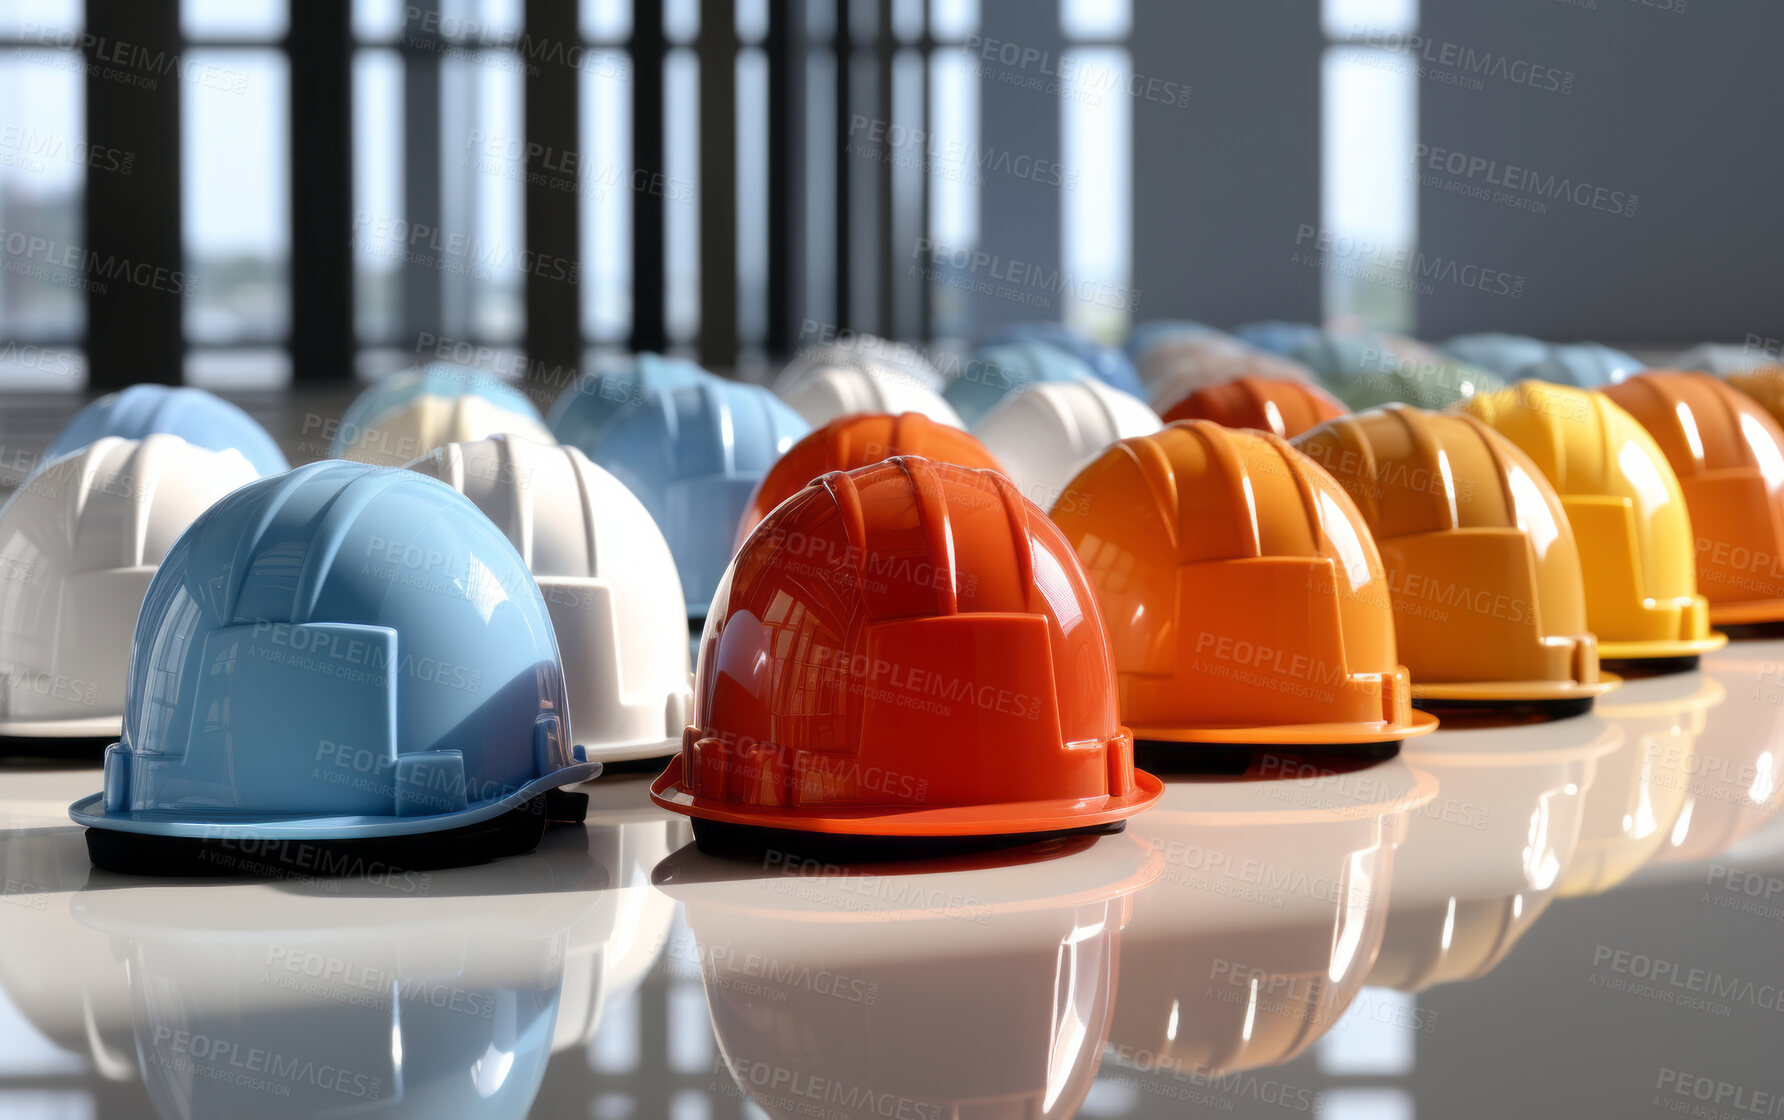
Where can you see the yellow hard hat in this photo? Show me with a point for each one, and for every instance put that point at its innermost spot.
(1627, 511)
(1488, 597)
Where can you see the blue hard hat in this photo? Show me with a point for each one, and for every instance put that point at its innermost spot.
(593, 400)
(408, 414)
(998, 370)
(200, 418)
(1503, 354)
(693, 455)
(1109, 364)
(338, 653)
(1276, 336)
(1585, 364)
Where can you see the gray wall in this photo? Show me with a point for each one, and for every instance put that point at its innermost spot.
(1222, 184)
(1681, 108)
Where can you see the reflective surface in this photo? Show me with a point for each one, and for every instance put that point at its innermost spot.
(1561, 919)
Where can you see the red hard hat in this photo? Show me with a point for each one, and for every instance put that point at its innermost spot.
(1283, 408)
(856, 440)
(908, 649)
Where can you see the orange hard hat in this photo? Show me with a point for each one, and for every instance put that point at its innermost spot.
(1764, 384)
(1729, 455)
(855, 441)
(1245, 600)
(1284, 408)
(1489, 601)
(910, 649)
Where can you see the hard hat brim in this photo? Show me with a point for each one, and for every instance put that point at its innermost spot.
(91, 813)
(1660, 648)
(1515, 692)
(91, 727)
(999, 819)
(1294, 734)
(1747, 612)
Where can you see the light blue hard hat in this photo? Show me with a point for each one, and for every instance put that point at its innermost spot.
(998, 370)
(594, 400)
(1585, 364)
(1276, 336)
(1109, 364)
(200, 418)
(1503, 354)
(693, 455)
(1145, 335)
(338, 653)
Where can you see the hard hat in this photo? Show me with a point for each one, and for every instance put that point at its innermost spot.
(1482, 863)
(693, 456)
(1109, 364)
(911, 650)
(1586, 364)
(965, 988)
(1728, 454)
(341, 653)
(608, 580)
(584, 409)
(1365, 370)
(1008, 369)
(1275, 335)
(858, 440)
(1723, 359)
(1045, 435)
(410, 413)
(1176, 367)
(1257, 938)
(830, 392)
(1627, 512)
(1148, 334)
(862, 374)
(79, 544)
(1489, 603)
(1282, 408)
(1765, 385)
(1244, 598)
(1502, 354)
(200, 418)
(882, 357)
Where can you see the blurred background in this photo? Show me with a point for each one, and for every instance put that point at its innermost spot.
(254, 194)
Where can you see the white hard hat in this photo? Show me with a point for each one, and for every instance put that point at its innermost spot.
(79, 543)
(410, 413)
(609, 582)
(835, 391)
(1046, 433)
(829, 382)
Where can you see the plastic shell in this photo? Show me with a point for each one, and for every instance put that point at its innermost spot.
(1282, 408)
(906, 649)
(858, 440)
(1627, 511)
(1245, 600)
(341, 651)
(1489, 601)
(1728, 453)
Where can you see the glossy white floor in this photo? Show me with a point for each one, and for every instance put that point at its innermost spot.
(1573, 918)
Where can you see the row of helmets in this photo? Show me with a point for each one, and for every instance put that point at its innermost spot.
(828, 675)
(1233, 926)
